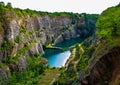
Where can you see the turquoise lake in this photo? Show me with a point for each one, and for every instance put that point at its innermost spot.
(58, 58)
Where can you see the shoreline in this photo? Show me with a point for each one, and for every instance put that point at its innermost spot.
(70, 58)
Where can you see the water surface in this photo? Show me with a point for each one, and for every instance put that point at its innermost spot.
(58, 60)
(68, 43)
(57, 57)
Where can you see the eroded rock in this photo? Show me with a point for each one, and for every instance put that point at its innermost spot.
(106, 71)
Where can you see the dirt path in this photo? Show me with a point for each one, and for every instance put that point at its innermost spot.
(76, 62)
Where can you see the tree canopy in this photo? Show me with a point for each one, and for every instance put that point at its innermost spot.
(109, 22)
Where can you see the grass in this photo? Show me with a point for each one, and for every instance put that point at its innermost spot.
(49, 76)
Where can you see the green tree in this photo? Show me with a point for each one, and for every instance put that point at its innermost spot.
(2, 3)
(9, 5)
(109, 22)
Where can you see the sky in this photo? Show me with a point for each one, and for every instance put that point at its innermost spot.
(75, 6)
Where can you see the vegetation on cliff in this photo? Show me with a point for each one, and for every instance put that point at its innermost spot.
(100, 69)
(90, 66)
(108, 25)
(84, 56)
(20, 63)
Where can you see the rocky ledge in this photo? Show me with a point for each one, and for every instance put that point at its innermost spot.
(106, 71)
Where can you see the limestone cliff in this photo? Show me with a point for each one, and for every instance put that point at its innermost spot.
(37, 30)
(96, 61)
(103, 52)
(24, 32)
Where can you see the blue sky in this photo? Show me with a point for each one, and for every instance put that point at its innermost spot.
(76, 6)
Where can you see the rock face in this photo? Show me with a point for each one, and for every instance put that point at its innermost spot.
(23, 36)
(68, 34)
(38, 30)
(106, 71)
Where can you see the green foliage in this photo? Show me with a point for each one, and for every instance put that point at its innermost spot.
(37, 55)
(87, 17)
(92, 16)
(31, 13)
(36, 65)
(22, 30)
(28, 34)
(77, 54)
(18, 12)
(22, 51)
(109, 22)
(47, 43)
(30, 76)
(108, 26)
(17, 39)
(43, 27)
(14, 59)
(2, 3)
(5, 45)
(72, 72)
(82, 64)
(1, 64)
(9, 5)
(38, 35)
(11, 59)
(64, 79)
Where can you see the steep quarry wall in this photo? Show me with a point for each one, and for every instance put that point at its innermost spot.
(106, 71)
(41, 30)
(35, 31)
(24, 36)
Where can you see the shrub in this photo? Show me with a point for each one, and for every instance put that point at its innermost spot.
(5, 45)
(17, 39)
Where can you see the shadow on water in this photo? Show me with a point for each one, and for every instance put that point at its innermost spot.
(52, 51)
(68, 43)
(65, 44)
(58, 57)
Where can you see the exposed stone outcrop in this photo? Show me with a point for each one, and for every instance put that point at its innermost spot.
(68, 34)
(106, 70)
(23, 36)
(37, 30)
